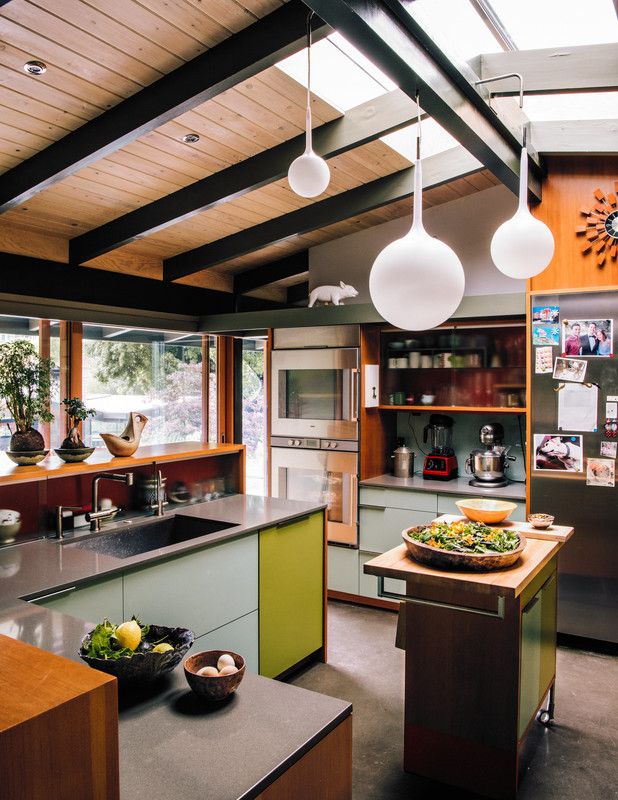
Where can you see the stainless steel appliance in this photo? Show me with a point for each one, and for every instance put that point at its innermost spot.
(403, 460)
(441, 463)
(488, 463)
(321, 471)
(314, 422)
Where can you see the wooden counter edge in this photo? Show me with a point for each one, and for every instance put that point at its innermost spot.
(54, 467)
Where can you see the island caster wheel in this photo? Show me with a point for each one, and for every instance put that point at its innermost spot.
(545, 718)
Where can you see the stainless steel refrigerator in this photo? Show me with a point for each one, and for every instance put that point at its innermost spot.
(588, 564)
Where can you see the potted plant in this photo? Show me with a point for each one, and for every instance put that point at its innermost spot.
(73, 448)
(25, 385)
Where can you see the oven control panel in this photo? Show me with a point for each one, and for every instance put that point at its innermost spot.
(344, 445)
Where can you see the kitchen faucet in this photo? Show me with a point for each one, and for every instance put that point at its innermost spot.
(157, 506)
(95, 516)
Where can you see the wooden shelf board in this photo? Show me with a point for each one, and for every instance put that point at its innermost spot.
(102, 459)
(468, 409)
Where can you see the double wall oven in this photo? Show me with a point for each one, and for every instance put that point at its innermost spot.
(314, 422)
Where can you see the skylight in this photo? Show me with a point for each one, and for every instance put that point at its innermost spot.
(557, 23)
(455, 26)
(581, 105)
(435, 140)
(340, 74)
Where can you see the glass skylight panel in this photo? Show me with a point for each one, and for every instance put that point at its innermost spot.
(557, 23)
(455, 26)
(580, 105)
(340, 74)
(435, 140)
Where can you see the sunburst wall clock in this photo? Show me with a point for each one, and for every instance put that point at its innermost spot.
(601, 228)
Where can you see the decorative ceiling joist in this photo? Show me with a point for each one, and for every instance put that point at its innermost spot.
(586, 68)
(360, 125)
(228, 63)
(295, 265)
(437, 170)
(384, 32)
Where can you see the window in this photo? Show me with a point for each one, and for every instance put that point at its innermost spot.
(156, 373)
(213, 420)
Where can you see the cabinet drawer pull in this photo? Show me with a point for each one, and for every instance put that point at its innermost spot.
(532, 603)
(374, 508)
(293, 521)
(498, 613)
(59, 593)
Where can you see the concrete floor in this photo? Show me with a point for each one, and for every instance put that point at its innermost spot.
(576, 760)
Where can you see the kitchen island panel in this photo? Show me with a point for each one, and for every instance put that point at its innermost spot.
(240, 636)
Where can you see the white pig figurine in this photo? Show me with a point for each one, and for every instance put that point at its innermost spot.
(332, 294)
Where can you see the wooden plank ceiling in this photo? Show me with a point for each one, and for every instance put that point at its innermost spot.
(98, 55)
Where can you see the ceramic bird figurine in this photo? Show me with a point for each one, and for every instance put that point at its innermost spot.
(128, 441)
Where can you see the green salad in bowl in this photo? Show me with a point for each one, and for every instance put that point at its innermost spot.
(466, 537)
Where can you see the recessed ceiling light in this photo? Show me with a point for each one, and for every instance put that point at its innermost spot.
(35, 67)
(190, 138)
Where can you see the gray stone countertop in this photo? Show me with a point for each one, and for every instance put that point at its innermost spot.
(460, 486)
(170, 743)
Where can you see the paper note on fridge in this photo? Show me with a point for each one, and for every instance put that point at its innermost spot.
(577, 407)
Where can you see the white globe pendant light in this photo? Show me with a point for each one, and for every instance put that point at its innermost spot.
(522, 246)
(416, 282)
(308, 174)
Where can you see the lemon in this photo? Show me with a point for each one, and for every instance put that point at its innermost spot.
(129, 634)
(164, 647)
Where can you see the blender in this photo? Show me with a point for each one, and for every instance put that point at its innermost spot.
(441, 463)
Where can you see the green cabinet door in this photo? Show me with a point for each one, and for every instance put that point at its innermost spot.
(291, 593)
(201, 590)
(91, 602)
(538, 651)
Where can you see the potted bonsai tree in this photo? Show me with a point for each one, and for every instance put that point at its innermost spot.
(25, 386)
(73, 448)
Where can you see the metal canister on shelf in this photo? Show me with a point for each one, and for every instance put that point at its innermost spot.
(403, 460)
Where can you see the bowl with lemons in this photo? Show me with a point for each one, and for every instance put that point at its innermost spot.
(133, 651)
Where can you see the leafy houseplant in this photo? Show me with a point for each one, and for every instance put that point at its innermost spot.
(76, 412)
(25, 385)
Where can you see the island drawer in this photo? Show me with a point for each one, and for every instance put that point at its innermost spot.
(398, 498)
(380, 528)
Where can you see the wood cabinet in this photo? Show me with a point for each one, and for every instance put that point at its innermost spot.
(291, 593)
(201, 590)
(92, 601)
(58, 726)
(473, 366)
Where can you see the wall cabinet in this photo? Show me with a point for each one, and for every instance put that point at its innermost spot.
(92, 602)
(202, 590)
(291, 593)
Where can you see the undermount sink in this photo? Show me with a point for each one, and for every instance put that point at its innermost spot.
(149, 536)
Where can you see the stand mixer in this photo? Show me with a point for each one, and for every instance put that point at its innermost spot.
(488, 463)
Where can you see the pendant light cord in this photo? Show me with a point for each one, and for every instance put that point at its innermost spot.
(308, 137)
(418, 128)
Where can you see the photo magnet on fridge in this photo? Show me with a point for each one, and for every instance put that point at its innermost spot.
(558, 453)
(543, 360)
(546, 314)
(588, 337)
(609, 449)
(600, 472)
(546, 335)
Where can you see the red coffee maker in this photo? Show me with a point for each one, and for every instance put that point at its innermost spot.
(441, 463)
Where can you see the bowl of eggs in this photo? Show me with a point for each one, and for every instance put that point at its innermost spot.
(214, 674)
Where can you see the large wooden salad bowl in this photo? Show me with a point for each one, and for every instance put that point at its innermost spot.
(469, 562)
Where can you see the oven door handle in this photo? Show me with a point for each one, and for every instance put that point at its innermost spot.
(353, 499)
(354, 395)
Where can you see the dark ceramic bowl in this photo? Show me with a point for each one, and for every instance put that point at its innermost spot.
(72, 455)
(26, 458)
(145, 666)
(216, 688)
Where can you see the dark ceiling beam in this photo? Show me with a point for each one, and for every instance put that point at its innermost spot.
(298, 293)
(37, 277)
(288, 267)
(234, 60)
(437, 170)
(384, 31)
(359, 126)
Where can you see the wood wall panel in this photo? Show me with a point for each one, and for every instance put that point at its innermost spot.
(569, 187)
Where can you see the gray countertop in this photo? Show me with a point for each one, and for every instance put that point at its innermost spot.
(514, 491)
(170, 743)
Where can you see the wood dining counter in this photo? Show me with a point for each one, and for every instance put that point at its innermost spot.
(480, 661)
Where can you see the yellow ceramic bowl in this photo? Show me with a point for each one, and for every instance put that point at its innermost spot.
(484, 509)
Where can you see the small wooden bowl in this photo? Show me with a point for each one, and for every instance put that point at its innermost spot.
(215, 688)
(541, 521)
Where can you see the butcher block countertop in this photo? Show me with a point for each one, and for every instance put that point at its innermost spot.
(541, 547)
(102, 459)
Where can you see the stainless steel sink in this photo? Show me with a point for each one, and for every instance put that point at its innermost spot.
(148, 536)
